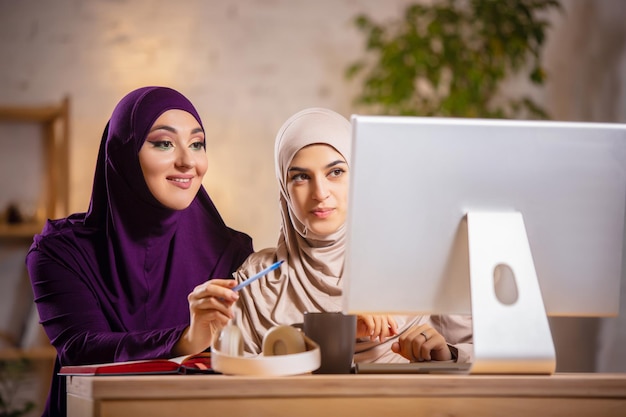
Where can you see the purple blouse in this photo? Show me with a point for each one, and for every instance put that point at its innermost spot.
(111, 284)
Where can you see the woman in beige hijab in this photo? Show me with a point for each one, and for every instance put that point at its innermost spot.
(312, 161)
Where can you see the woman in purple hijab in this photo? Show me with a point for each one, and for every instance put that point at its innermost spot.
(127, 280)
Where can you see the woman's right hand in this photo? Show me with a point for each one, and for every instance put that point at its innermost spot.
(374, 327)
(209, 311)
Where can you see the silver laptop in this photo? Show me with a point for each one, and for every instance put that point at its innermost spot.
(432, 367)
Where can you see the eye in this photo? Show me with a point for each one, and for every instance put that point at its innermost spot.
(338, 172)
(301, 177)
(199, 145)
(162, 144)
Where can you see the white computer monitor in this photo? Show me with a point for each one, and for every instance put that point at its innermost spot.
(509, 221)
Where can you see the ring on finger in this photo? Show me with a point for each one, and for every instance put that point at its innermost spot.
(425, 336)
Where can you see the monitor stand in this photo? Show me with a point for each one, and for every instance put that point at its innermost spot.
(510, 325)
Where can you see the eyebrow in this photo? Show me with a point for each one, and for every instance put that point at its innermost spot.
(171, 129)
(332, 164)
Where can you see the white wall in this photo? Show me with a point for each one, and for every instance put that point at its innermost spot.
(248, 65)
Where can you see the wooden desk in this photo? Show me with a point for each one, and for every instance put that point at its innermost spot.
(344, 395)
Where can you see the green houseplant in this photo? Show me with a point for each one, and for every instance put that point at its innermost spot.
(449, 58)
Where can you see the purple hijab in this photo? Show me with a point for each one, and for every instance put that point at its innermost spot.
(111, 284)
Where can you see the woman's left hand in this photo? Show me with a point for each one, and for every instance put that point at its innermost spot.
(422, 343)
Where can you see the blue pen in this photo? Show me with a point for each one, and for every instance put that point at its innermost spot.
(257, 276)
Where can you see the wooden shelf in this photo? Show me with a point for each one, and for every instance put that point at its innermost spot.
(43, 352)
(50, 125)
(54, 121)
(22, 231)
(41, 114)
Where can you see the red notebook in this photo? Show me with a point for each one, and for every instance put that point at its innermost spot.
(192, 364)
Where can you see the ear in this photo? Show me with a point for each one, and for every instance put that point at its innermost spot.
(283, 340)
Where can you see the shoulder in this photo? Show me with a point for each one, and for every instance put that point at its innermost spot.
(66, 231)
(65, 241)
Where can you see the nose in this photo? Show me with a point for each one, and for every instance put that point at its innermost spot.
(185, 158)
(320, 189)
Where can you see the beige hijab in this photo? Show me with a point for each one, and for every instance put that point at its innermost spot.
(310, 277)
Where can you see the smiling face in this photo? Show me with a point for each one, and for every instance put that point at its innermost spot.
(317, 182)
(173, 159)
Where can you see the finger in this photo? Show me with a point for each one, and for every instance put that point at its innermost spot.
(393, 325)
(212, 318)
(216, 283)
(413, 341)
(425, 350)
(384, 331)
(210, 303)
(370, 323)
(200, 305)
(228, 283)
(387, 329)
(424, 332)
(214, 303)
(417, 349)
(403, 348)
(361, 329)
(409, 346)
(439, 349)
(217, 288)
(434, 344)
(380, 327)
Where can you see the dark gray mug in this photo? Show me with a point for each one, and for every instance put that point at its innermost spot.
(335, 333)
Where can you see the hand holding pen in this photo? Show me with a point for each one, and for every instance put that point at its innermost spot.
(210, 310)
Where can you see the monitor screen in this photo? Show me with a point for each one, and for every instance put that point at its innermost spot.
(414, 180)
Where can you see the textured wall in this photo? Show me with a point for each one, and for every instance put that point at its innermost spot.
(248, 65)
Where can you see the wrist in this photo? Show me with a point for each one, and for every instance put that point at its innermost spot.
(188, 344)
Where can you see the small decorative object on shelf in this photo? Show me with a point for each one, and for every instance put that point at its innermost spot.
(14, 216)
(22, 216)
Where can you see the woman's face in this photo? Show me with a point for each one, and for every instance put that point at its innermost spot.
(317, 182)
(173, 159)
